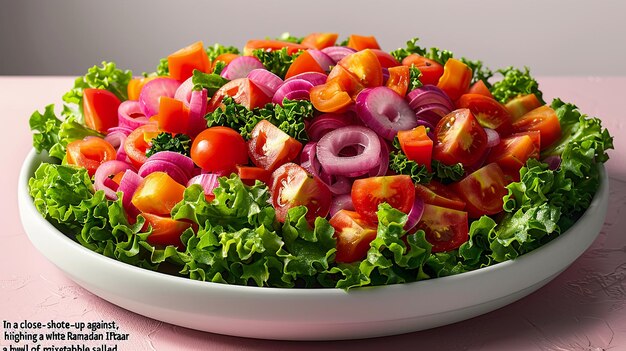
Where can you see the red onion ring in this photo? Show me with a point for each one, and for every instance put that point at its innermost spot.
(103, 172)
(185, 163)
(315, 78)
(171, 169)
(341, 202)
(153, 91)
(183, 93)
(493, 138)
(309, 161)
(554, 162)
(322, 59)
(331, 144)
(384, 111)
(197, 109)
(290, 86)
(130, 115)
(267, 81)
(415, 215)
(325, 123)
(128, 185)
(208, 181)
(240, 67)
(336, 53)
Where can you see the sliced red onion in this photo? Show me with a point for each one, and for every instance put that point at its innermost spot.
(240, 67)
(385, 75)
(336, 53)
(331, 144)
(326, 122)
(152, 92)
(106, 169)
(384, 111)
(128, 185)
(309, 161)
(478, 164)
(208, 181)
(315, 78)
(163, 166)
(429, 94)
(382, 168)
(130, 115)
(116, 136)
(493, 138)
(289, 87)
(341, 202)
(415, 215)
(554, 162)
(267, 81)
(185, 163)
(322, 59)
(429, 127)
(183, 93)
(296, 95)
(197, 110)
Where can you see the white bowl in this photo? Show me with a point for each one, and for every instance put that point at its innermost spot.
(308, 314)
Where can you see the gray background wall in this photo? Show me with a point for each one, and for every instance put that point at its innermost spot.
(65, 37)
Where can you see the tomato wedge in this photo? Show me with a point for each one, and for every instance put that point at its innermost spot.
(270, 147)
(480, 88)
(483, 191)
(386, 59)
(521, 105)
(431, 70)
(243, 92)
(354, 235)
(456, 78)
(365, 66)
(359, 42)
(320, 41)
(435, 193)
(173, 116)
(100, 109)
(271, 45)
(184, 61)
(446, 229)
(157, 194)
(397, 190)
(488, 112)
(138, 142)
(416, 145)
(251, 174)
(398, 80)
(89, 153)
(303, 63)
(165, 230)
(347, 81)
(542, 119)
(513, 152)
(293, 186)
(219, 149)
(459, 139)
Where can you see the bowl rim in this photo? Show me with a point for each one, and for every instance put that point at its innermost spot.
(34, 159)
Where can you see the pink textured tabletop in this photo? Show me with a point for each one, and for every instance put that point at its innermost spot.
(582, 309)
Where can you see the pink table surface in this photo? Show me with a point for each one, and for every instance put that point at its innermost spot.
(582, 309)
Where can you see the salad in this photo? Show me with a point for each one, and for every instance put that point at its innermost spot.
(312, 163)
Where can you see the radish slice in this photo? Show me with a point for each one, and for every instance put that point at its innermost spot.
(336, 53)
(330, 146)
(153, 90)
(103, 172)
(290, 87)
(183, 93)
(267, 81)
(322, 59)
(130, 115)
(241, 67)
(384, 111)
(315, 78)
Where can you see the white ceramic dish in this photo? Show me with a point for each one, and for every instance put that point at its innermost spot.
(314, 314)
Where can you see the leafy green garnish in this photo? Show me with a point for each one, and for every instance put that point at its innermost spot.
(435, 54)
(515, 83)
(217, 49)
(180, 143)
(414, 75)
(211, 82)
(163, 69)
(448, 174)
(277, 61)
(399, 163)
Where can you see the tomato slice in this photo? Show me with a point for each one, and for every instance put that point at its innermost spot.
(303, 63)
(365, 66)
(359, 42)
(165, 230)
(480, 88)
(456, 78)
(271, 45)
(173, 116)
(483, 191)
(219, 149)
(89, 153)
(397, 190)
(435, 193)
(513, 152)
(182, 63)
(157, 194)
(320, 41)
(354, 235)
(270, 147)
(488, 112)
(100, 109)
(521, 105)
(386, 59)
(459, 138)
(431, 70)
(416, 145)
(293, 186)
(138, 142)
(542, 119)
(250, 174)
(243, 92)
(398, 80)
(330, 97)
(446, 229)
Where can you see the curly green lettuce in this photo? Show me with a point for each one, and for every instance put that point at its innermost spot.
(277, 61)
(515, 83)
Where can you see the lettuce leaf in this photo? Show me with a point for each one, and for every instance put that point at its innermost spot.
(515, 83)
(277, 61)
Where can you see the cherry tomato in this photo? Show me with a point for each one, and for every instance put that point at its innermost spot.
(416, 145)
(488, 112)
(359, 42)
(456, 78)
(483, 191)
(513, 152)
(243, 92)
(435, 193)
(480, 88)
(354, 235)
(542, 119)
(157, 194)
(431, 70)
(138, 142)
(182, 63)
(397, 190)
(365, 66)
(250, 174)
(271, 45)
(270, 147)
(303, 63)
(100, 109)
(320, 41)
(446, 229)
(398, 80)
(459, 138)
(89, 153)
(293, 186)
(165, 230)
(219, 149)
(521, 105)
